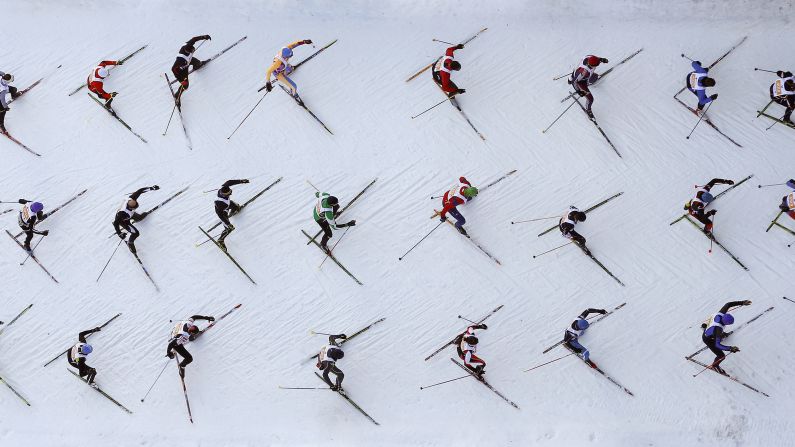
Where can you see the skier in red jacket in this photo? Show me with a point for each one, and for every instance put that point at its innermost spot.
(96, 81)
(584, 76)
(443, 68)
(457, 195)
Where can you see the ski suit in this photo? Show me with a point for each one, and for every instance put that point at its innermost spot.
(27, 221)
(566, 226)
(5, 88)
(584, 76)
(181, 335)
(572, 334)
(441, 72)
(780, 95)
(225, 208)
(281, 67)
(97, 77)
(466, 351)
(452, 199)
(125, 217)
(696, 207)
(693, 82)
(78, 360)
(714, 333)
(325, 215)
(185, 60)
(327, 364)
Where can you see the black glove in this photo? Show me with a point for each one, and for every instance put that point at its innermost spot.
(154, 188)
(460, 46)
(114, 94)
(121, 235)
(6, 109)
(343, 336)
(351, 223)
(170, 354)
(460, 91)
(747, 303)
(207, 37)
(245, 180)
(602, 311)
(712, 212)
(308, 41)
(45, 232)
(729, 182)
(734, 349)
(481, 326)
(603, 60)
(714, 97)
(96, 329)
(443, 218)
(210, 319)
(268, 86)
(120, 63)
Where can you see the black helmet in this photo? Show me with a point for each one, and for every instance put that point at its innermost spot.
(225, 191)
(579, 216)
(455, 65)
(472, 340)
(332, 200)
(708, 82)
(335, 354)
(789, 84)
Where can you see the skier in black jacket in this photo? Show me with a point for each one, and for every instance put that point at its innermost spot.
(183, 332)
(125, 217)
(327, 361)
(226, 208)
(185, 60)
(696, 206)
(77, 356)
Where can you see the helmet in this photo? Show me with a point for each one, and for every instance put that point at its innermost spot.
(706, 197)
(687, 204)
(593, 61)
(455, 65)
(470, 192)
(332, 200)
(727, 319)
(582, 324)
(193, 329)
(132, 204)
(36, 207)
(708, 82)
(225, 191)
(86, 349)
(789, 84)
(335, 353)
(472, 340)
(580, 216)
(287, 53)
(8, 77)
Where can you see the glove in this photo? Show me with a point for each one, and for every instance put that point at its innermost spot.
(207, 37)
(211, 319)
(307, 41)
(460, 46)
(351, 223)
(5, 109)
(443, 218)
(714, 97)
(120, 63)
(170, 354)
(602, 311)
(122, 235)
(245, 180)
(482, 326)
(268, 86)
(45, 232)
(460, 91)
(730, 182)
(97, 329)
(343, 336)
(712, 212)
(747, 303)
(154, 188)
(603, 60)
(734, 349)
(114, 94)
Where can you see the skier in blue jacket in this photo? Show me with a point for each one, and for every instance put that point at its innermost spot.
(697, 82)
(714, 333)
(575, 330)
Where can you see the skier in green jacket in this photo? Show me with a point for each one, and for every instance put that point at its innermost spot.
(325, 212)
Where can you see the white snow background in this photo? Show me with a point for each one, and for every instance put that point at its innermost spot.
(357, 87)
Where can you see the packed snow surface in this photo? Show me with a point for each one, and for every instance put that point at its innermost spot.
(357, 87)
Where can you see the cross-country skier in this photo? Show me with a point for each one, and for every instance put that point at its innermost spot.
(788, 202)
(77, 357)
(566, 225)
(30, 214)
(183, 332)
(327, 361)
(6, 88)
(467, 346)
(184, 60)
(225, 208)
(443, 68)
(714, 332)
(696, 207)
(783, 92)
(96, 81)
(126, 216)
(584, 76)
(281, 68)
(697, 82)
(325, 212)
(575, 330)
(460, 194)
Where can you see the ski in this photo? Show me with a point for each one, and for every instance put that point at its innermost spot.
(476, 244)
(735, 330)
(498, 180)
(28, 88)
(487, 384)
(301, 104)
(453, 339)
(333, 258)
(773, 222)
(717, 196)
(15, 318)
(345, 207)
(717, 243)
(600, 318)
(295, 67)
(113, 114)
(593, 258)
(20, 144)
(14, 391)
(212, 58)
(586, 211)
(67, 349)
(359, 332)
(709, 122)
(6, 211)
(245, 204)
(599, 370)
(100, 391)
(342, 393)
(422, 70)
(760, 112)
(58, 208)
(32, 256)
(212, 324)
(184, 391)
(598, 127)
(728, 376)
(124, 59)
(226, 252)
(461, 111)
(602, 76)
(785, 228)
(179, 110)
(776, 119)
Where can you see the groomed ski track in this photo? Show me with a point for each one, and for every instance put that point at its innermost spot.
(358, 87)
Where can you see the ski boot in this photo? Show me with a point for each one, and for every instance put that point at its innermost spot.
(462, 231)
(131, 246)
(181, 371)
(479, 371)
(27, 248)
(719, 370)
(325, 249)
(221, 244)
(590, 113)
(298, 100)
(93, 385)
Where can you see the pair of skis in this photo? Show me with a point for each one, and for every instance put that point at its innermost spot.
(469, 238)
(712, 238)
(709, 122)
(102, 392)
(486, 384)
(596, 368)
(22, 92)
(13, 390)
(599, 263)
(228, 255)
(775, 222)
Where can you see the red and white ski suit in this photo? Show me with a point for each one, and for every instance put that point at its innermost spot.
(97, 78)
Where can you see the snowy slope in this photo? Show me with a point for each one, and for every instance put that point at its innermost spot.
(357, 87)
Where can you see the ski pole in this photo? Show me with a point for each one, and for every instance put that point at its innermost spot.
(303, 388)
(699, 120)
(711, 366)
(319, 333)
(712, 238)
(559, 117)
(109, 259)
(442, 41)
(788, 299)
(547, 363)
(418, 243)
(762, 69)
(561, 246)
(772, 184)
(3, 201)
(686, 57)
(249, 114)
(446, 381)
(31, 252)
(158, 378)
(561, 76)
(771, 126)
(433, 107)
(467, 319)
(313, 186)
(334, 246)
(534, 220)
